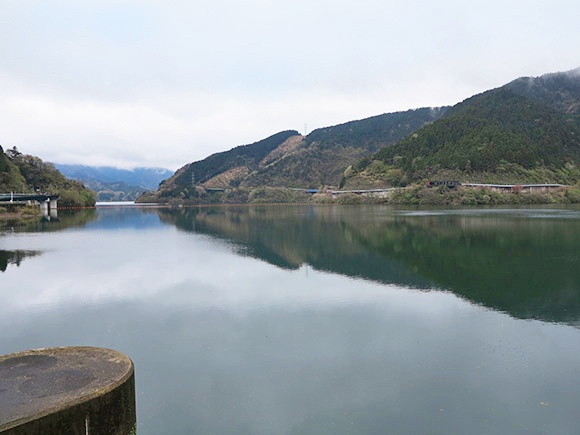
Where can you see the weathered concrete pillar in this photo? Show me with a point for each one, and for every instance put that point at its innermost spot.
(44, 208)
(53, 208)
(68, 390)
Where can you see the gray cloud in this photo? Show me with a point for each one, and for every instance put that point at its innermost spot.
(165, 83)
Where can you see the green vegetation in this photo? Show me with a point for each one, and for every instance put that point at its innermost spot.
(119, 191)
(325, 152)
(309, 167)
(187, 184)
(25, 173)
(376, 132)
(420, 195)
(274, 195)
(369, 174)
(288, 159)
(11, 180)
(182, 185)
(494, 132)
(12, 215)
(525, 132)
(560, 91)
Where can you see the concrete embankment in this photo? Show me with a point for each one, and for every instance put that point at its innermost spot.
(68, 390)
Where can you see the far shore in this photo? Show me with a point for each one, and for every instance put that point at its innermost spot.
(411, 195)
(417, 194)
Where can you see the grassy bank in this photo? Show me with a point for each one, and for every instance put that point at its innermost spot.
(16, 215)
(421, 195)
(18, 211)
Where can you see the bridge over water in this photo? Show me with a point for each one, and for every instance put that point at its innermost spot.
(48, 202)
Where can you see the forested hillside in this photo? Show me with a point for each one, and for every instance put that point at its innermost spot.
(25, 173)
(231, 165)
(560, 91)
(526, 131)
(325, 153)
(288, 159)
(11, 180)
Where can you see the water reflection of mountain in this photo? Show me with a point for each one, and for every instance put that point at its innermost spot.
(526, 266)
(289, 237)
(14, 258)
(66, 219)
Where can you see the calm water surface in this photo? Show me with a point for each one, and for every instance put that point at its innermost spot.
(314, 320)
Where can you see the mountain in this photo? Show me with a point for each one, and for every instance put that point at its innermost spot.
(113, 184)
(221, 169)
(288, 159)
(321, 157)
(24, 173)
(558, 90)
(525, 131)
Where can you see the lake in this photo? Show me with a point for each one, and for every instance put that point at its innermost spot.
(314, 319)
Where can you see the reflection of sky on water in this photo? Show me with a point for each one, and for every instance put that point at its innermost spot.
(230, 344)
(184, 270)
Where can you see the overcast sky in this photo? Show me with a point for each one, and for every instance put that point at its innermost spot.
(166, 82)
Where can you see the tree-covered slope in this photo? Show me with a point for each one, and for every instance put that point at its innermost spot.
(486, 129)
(307, 167)
(525, 131)
(516, 129)
(561, 91)
(11, 180)
(25, 173)
(326, 152)
(243, 158)
(288, 159)
(376, 132)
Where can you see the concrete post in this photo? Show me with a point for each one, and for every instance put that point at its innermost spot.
(44, 208)
(53, 208)
(72, 390)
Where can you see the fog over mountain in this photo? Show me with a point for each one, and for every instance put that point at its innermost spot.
(114, 184)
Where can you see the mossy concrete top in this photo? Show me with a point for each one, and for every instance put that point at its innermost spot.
(40, 382)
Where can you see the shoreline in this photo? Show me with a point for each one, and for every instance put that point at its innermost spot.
(411, 195)
(20, 212)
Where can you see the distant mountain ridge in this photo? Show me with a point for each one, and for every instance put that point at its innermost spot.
(114, 184)
(288, 159)
(147, 178)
